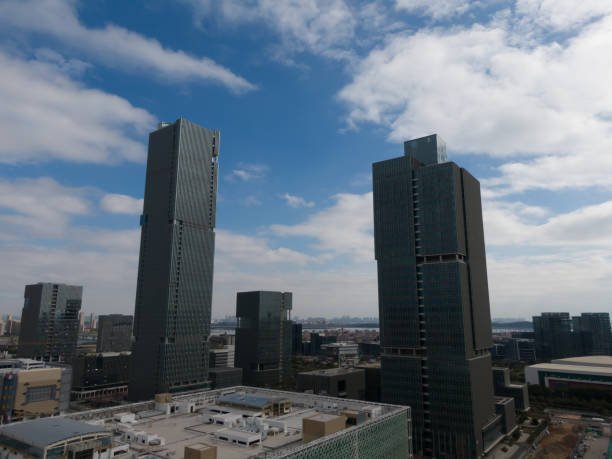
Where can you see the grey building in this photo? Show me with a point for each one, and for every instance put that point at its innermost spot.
(224, 377)
(263, 337)
(175, 272)
(102, 375)
(504, 388)
(433, 294)
(114, 333)
(296, 339)
(593, 332)
(553, 336)
(50, 322)
(335, 382)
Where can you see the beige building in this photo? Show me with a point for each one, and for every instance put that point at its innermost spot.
(37, 392)
(320, 425)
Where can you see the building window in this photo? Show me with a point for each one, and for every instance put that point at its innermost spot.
(40, 394)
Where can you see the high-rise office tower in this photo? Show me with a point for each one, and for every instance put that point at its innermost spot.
(81, 321)
(593, 330)
(92, 321)
(433, 295)
(175, 273)
(263, 337)
(553, 336)
(50, 322)
(114, 333)
(296, 339)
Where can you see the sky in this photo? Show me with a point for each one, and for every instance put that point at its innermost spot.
(306, 94)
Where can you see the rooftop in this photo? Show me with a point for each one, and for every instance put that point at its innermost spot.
(589, 360)
(46, 431)
(332, 371)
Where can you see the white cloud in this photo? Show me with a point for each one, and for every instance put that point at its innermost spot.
(115, 46)
(296, 201)
(324, 27)
(437, 9)
(487, 93)
(345, 228)
(562, 14)
(46, 115)
(248, 172)
(121, 204)
(40, 207)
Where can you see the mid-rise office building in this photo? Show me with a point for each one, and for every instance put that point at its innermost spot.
(553, 336)
(175, 272)
(93, 323)
(593, 332)
(263, 337)
(336, 382)
(222, 357)
(435, 323)
(50, 322)
(102, 375)
(114, 333)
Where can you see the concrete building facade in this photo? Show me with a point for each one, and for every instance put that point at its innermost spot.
(433, 294)
(50, 322)
(335, 382)
(263, 337)
(175, 272)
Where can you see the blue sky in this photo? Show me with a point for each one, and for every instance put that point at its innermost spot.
(307, 94)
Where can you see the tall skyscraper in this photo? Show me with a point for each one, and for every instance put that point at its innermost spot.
(175, 273)
(263, 337)
(553, 336)
(593, 330)
(92, 321)
(433, 294)
(114, 333)
(50, 322)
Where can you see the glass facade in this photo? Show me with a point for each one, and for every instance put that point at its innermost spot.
(50, 322)
(264, 337)
(433, 299)
(175, 273)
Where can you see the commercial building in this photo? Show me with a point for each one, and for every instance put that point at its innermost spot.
(238, 422)
(594, 334)
(224, 377)
(517, 349)
(504, 388)
(50, 322)
(59, 437)
(335, 382)
(553, 336)
(296, 339)
(114, 333)
(369, 349)
(435, 323)
(175, 272)
(222, 357)
(313, 347)
(590, 372)
(345, 353)
(103, 375)
(30, 389)
(263, 337)
(372, 381)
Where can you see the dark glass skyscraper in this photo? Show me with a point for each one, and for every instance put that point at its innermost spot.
(263, 337)
(434, 301)
(50, 322)
(114, 333)
(553, 336)
(175, 273)
(593, 330)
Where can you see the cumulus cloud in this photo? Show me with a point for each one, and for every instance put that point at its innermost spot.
(40, 207)
(247, 172)
(437, 9)
(121, 204)
(345, 228)
(47, 115)
(115, 46)
(321, 26)
(296, 201)
(487, 94)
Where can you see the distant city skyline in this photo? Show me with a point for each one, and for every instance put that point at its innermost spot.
(307, 95)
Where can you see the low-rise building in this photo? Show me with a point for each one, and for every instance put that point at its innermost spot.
(336, 382)
(343, 352)
(502, 387)
(228, 423)
(102, 375)
(31, 389)
(586, 372)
